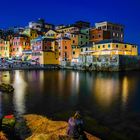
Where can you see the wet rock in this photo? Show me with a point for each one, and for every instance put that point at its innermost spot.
(6, 88)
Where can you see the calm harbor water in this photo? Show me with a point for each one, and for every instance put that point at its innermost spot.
(109, 101)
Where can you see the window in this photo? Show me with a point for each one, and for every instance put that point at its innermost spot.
(65, 47)
(108, 45)
(103, 46)
(113, 34)
(73, 41)
(81, 36)
(73, 52)
(59, 53)
(86, 37)
(99, 36)
(81, 50)
(81, 42)
(65, 54)
(93, 36)
(117, 46)
(86, 49)
(98, 47)
(125, 46)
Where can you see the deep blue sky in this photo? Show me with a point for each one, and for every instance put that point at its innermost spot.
(20, 12)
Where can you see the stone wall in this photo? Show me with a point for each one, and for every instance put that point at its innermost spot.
(109, 63)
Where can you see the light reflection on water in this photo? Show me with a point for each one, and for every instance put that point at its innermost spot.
(19, 93)
(102, 95)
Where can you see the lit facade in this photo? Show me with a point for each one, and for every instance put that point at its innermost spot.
(45, 51)
(112, 47)
(20, 43)
(4, 48)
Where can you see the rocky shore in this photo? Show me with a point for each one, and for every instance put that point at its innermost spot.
(39, 128)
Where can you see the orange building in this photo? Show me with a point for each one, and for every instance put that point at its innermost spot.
(97, 35)
(20, 43)
(65, 49)
(75, 47)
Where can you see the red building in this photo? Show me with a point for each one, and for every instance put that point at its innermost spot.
(97, 35)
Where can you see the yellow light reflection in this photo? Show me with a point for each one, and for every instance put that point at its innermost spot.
(75, 82)
(19, 95)
(125, 90)
(105, 90)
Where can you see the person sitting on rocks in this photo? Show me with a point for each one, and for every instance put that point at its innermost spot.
(75, 127)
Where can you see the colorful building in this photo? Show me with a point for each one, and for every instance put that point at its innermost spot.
(4, 48)
(45, 51)
(83, 36)
(116, 30)
(51, 34)
(31, 33)
(75, 47)
(68, 29)
(65, 49)
(20, 43)
(97, 35)
(114, 47)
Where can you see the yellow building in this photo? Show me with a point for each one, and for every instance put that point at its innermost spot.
(32, 33)
(49, 58)
(4, 48)
(113, 47)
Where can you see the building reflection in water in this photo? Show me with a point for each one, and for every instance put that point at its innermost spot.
(19, 93)
(105, 90)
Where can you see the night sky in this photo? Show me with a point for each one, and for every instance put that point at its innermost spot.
(20, 12)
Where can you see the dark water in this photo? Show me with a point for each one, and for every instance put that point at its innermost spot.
(109, 102)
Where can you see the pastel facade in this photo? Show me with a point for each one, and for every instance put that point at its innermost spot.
(20, 43)
(4, 48)
(45, 51)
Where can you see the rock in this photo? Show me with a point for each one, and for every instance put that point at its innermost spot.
(6, 88)
(2, 136)
(44, 129)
